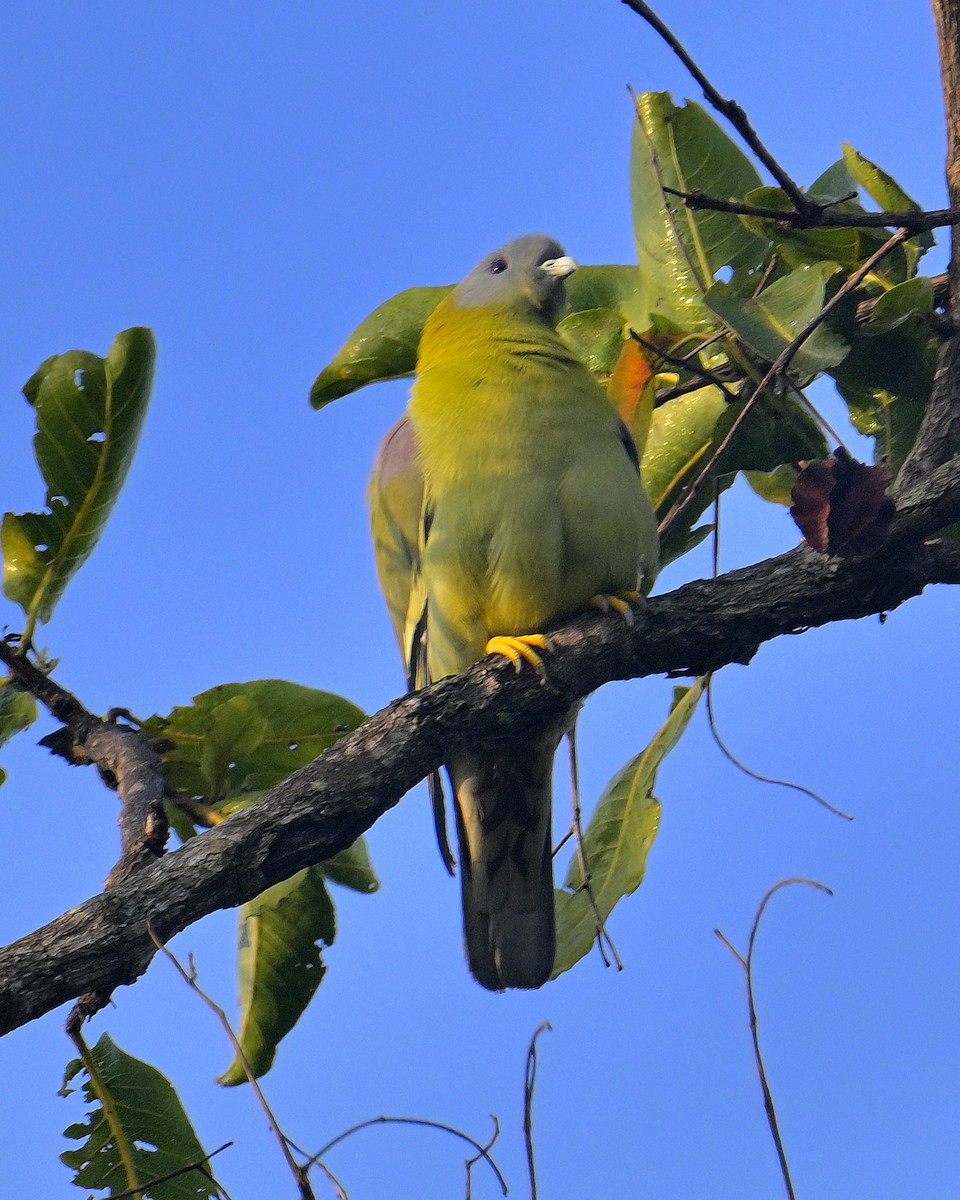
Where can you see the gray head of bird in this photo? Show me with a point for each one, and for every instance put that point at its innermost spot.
(524, 277)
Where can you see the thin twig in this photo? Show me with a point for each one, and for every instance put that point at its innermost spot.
(746, 962)
(59, 702)
(529, 1087)
(821, 215)
(781, 363)
(194, 1166)
(684, 364)
(427, 1124)
(604, 940)
(727, 108)
(472, 1162)
(741, 766)
(189, 977)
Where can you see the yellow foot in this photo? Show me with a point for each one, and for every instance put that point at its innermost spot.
(618, 602)
(522, 647)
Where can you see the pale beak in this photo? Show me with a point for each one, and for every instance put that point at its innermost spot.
(559, 267)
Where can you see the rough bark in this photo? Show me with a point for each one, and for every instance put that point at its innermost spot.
(324, 807)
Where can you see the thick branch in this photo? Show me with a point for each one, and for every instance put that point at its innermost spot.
(324, 807)
(121, 755)
(939, 436)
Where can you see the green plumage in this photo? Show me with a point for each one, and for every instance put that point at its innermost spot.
(532, 505)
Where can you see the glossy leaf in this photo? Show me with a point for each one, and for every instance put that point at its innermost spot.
(135, 1130)
(779, 314)
(18, 711)
(384, 345)
(679, 250)
(89, 414)
(618, 838)
(229, 746)
(278, 965)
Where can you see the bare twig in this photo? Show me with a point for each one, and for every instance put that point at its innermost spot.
(198, 1165)
(685, 363)
(821, 215)
(482, 1151)
(781, 363)
(529, 1087)
(747, 963)
(189, 977)
(727, 108)
(472, 1162)
(741, 766)
(604, 940)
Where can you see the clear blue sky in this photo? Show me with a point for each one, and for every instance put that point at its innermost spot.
(252, 181)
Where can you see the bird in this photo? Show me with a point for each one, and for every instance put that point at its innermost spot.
(507, 499)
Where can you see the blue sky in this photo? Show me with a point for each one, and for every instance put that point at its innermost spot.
(251, 182)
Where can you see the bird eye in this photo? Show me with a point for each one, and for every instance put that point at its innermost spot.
(497, 266)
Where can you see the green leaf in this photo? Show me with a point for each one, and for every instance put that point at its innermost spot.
(886, 381)
(771, 321)
(351, 868)
(885, 190)
(618, 838)
(836, 181)
(683, 434)
(135, 1130)
(847, 247)
(237, 739)
(912, 298)
(235, 730)
(596, 337)
(89, 414)
(278, 965)
(229, 746)
(774, 486)
(384, 345)
(18, 711)
(679, 250)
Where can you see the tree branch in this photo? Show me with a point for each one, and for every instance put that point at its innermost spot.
(727, 108)
(124, 759)
(324, 807)
(913, 220)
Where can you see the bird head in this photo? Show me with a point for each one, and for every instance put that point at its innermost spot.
(524, 277)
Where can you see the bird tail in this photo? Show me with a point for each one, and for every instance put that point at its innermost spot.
(503, 803)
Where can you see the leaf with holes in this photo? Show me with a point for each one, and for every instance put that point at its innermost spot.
(89, 413)
(135, 1131)
(618, 838)
(237, 739)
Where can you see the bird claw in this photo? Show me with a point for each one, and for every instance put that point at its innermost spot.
(520, 648)
(618, 602)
